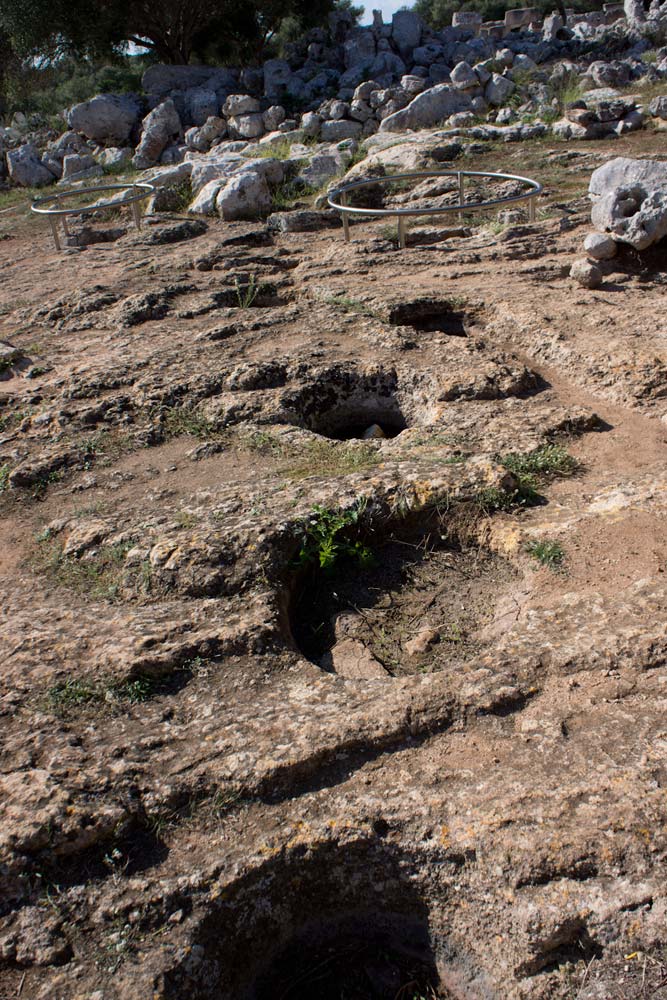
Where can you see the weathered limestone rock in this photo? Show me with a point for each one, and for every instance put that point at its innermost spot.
(551, 26)
(599, 246)
(159, 81)
(249, 126)
(245, 196)
(311, 124)
(277, 76)
(77, 168)
(26, 169)
(273, 117)
(586, 274)
(160, 127)
(350, 658)
(204, 202)
(630, 201)
(498, 89)
(106, 118)
(406, 31)
(114, 157)
(201, 139)
(240, 104)
(429, 108)
(201, 103)
(336, 131)
(302, 221)
(359, 48)
(464, 77)
(658, 107)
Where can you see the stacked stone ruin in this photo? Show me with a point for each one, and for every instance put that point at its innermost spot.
(332, 92)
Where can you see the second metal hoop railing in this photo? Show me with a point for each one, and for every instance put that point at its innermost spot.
(338, 198)
(134, 192)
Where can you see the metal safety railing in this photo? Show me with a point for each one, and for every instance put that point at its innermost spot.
(338, 198)
(137, 192)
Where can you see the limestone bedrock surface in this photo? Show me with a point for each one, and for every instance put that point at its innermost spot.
(334, 605)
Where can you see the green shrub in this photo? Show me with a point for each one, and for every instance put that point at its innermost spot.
(324, 540)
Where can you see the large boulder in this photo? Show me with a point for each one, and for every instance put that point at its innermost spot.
(161, 127)
(201, 103)
(277, 77)
(158, 81)
(658, 107)
(26, 169)
(240, 104)
(359, 48)
(201, 139)
(246, 126)
(244, 196)
(498, 89)
(77, 166)
(406, 32)
(68, 142)
(428, 108)
(464, 77)
(106, 118)
(608, 74)
(630, 201)
(336, 131)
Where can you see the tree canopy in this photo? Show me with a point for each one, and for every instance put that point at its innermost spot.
(175, 31)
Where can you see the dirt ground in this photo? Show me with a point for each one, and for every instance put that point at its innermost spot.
(434, 768)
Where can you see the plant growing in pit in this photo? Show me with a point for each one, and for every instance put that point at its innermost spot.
(246, 293)
(324, 540)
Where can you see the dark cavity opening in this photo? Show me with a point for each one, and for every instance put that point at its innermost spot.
(364, 428)
(361, 959)
(431, 317)
(360, 417)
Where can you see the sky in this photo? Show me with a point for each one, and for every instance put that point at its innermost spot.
(388, 7)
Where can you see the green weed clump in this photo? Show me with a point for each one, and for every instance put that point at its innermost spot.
(324, 542)
(286, 195)
(528, 471)
(325, 458)
(184, 420)
(550, 554)
(98, 577)
(547, 460)
(68, 696)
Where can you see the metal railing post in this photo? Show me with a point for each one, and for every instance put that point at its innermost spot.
(346, 221)
(54, 230)
(401, 232)
(531, 209)
(461, 195)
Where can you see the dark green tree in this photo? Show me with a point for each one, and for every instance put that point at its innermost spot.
(172, 30)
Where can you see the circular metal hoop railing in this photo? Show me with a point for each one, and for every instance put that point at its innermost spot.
(136, 192)
(338, 198)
